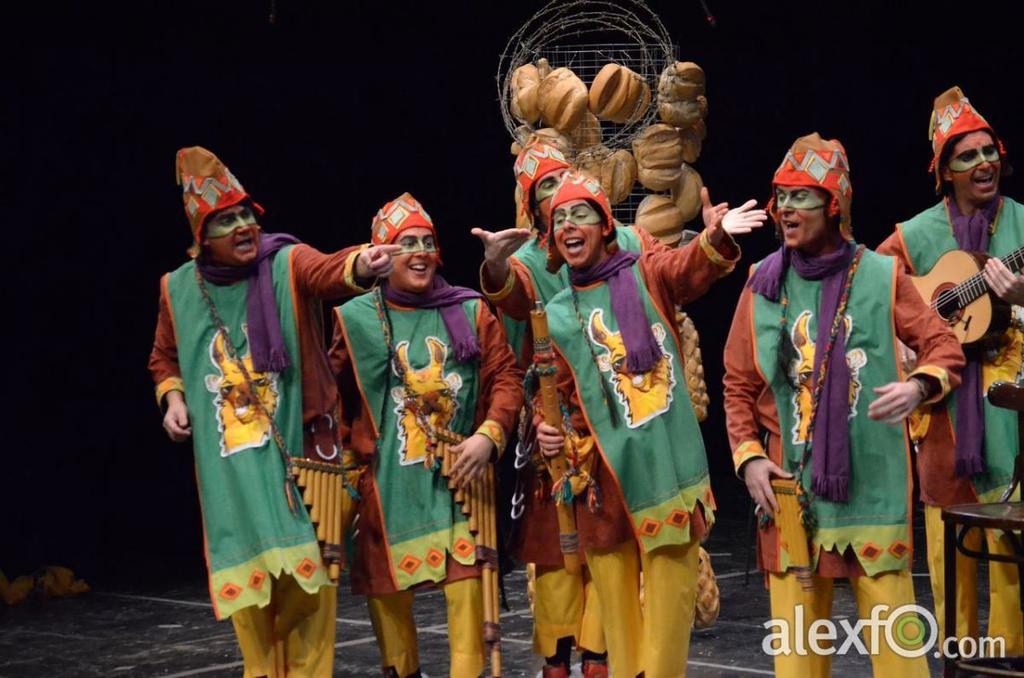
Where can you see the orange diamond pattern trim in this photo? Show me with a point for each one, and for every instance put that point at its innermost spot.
(650, 528)
(306, 568)
(230, 591)
(256, 579)
(870, 551)
(463, 548)
(898, 549)
(677, 518)
(409, 564)
(435, 558)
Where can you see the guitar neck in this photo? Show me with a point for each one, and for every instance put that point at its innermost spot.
(975, 286)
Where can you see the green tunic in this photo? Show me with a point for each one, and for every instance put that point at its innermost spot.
(422, 523)
(547, 285)
(875, 521)
(927, 237)
(653, 447)
(249, 531)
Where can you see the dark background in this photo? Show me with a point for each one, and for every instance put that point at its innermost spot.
(326, 115)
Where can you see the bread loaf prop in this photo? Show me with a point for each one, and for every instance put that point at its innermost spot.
(693, 364)
(681, 100)
(525, 86)
(708, 602)
(616, 170)
(692, 141)
(686, 193)
(658, 215)
(618, 94)
(659, 157)
(563, 100)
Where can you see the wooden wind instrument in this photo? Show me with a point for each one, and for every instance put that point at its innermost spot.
(558, 467)
(792, 535)
(479, 504)
(330, 507)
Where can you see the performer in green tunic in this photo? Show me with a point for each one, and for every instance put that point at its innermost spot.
(238, 361)
(813, 342)
(630, 431)
(416, 359)
(967, 446)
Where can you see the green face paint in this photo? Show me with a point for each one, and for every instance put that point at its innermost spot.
(581, 214)
(224, 223)
(973, 157)
(546, 187)
(798, 199)
(412, 244)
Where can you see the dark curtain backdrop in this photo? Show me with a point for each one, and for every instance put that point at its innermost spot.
(324, 116)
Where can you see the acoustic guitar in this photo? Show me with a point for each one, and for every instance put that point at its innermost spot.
(956, 290)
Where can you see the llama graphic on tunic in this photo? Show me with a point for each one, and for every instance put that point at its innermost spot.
(801, 372)
(427, 397)
(642, 396)
(241, 422)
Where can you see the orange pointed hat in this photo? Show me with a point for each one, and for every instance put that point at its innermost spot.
(953, 115)
(819, 163)
(401, 214)
(207, 185)
(532, 164)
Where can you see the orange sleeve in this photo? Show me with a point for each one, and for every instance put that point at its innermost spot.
(648, 243)
(516, 296)
(939, 355)
(501, 381)
(688, 272)
(894, 246)
(326, 276)
(745, 388)
(163, 359)
(354, 419)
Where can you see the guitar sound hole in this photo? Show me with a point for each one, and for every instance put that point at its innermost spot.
(947, 306)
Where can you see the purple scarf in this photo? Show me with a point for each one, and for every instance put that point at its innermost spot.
(266, 343)
(830, 445)
(971, 233)
(448, 300)
(642, 350)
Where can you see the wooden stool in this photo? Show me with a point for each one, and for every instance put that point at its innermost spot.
(1002, 515)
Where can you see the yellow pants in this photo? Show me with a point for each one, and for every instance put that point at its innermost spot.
(566, 605)
(395, 629)
(891, 588)
(1004, 616)
(293, 636)
(655, 639)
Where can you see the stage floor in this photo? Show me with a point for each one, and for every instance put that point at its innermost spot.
(165, 631)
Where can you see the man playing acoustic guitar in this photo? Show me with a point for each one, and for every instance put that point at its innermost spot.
(967, 446)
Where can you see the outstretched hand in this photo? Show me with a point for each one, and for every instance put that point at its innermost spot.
(744, 219)
(500, 245)
(712, 214)
(375, 261)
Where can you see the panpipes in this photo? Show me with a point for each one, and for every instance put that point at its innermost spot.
(791, 533)
(479, 505)
(330, 507)
(558, 467)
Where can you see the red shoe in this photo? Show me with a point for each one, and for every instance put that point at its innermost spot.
(560, 671)
(595, 669)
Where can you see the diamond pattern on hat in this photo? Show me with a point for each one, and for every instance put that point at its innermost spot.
(815, 166)
(211, 195)
(397, 216)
